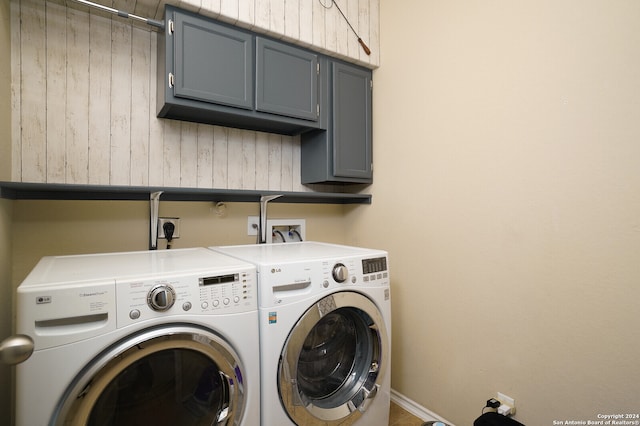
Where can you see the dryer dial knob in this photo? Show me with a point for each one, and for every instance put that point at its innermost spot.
(340, 273)
(161, 297)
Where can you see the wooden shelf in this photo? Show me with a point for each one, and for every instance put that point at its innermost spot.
(53, 191)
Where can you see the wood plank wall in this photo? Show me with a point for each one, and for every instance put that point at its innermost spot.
(83, 96)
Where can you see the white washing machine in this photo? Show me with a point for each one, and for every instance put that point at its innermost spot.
(325, 333)
(160, 338)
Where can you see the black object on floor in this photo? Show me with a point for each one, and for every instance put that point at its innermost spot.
(495, 419)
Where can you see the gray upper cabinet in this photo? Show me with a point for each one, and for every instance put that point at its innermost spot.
(287, 80)
(215, 73)
(200, 73)
(342, 153)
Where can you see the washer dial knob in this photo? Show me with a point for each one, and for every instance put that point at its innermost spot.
(161, 297)
(340, 273)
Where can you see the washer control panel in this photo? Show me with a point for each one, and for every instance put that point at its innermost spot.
(202, 294)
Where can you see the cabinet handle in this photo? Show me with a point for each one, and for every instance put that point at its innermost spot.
(171, 80)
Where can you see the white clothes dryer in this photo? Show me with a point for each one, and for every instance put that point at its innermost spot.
(159, 338)
(325, 333)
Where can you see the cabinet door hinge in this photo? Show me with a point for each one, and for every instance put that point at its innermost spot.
(171, 27)
(318, 68)
(171, 79)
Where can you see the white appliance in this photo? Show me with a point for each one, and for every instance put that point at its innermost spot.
(325, 333)
(161, 337)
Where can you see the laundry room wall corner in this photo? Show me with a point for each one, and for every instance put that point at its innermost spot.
(6, 209)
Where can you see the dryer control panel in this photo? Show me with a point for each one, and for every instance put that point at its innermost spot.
(201, 294)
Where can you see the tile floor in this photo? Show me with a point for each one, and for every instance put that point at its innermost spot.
(400, 417)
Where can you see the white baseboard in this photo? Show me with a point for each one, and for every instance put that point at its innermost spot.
(416, 409)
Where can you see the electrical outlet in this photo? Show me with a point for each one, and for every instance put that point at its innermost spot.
(253, 223)
(176, 224)
(508, 406)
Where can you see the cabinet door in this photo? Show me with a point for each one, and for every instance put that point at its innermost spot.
(286, 80)
(351, 121)
(213, 62)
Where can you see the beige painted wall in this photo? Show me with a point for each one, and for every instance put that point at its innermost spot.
(507, 190)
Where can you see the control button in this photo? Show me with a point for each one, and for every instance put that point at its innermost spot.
(340, 272)
(354, 279)
(204, 305)
(385, 275)
(365, 278)
(379, 276)
(236, 299)
(134, 314)
(186, 306)
(325, 284)
(226, 301)
(161, 297)
(216, 303)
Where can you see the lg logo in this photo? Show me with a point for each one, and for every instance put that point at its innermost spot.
(275, 270)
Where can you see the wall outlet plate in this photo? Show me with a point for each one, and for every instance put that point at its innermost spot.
(176, 224)
(508, 401)
(253, 223)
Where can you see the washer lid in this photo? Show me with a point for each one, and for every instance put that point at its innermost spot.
(294, 252)
(53, 270)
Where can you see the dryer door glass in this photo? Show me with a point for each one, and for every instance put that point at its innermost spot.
(332, 360)
(175, 379)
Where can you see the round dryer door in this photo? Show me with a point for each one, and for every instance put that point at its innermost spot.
(178, 375)
(333, 360)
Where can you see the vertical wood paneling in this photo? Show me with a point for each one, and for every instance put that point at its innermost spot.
(343, 33)
(318, 36)
(246, 13)
(330, 28)
(84, 94)
(275, 161)
(296, 164)
(262, 15)
(292, 19)
(141, 68)
(305, 19)
(205, 156)
(99, 100)
(189, 155)
(276, 17)
(229, 9)
(155, 161)
(363, 26)
(171, 153)
(33, 86)
(77, 144)
(262, 160)
(374, 31)
(248, 160)
(120, 153)
(220, 157)
(56, 94)
(352, 10)
(16, 98)
(208, 7)
(235, 158)
(286, 167)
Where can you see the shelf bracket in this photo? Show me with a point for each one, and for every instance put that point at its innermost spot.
(262, 232)
(154, 204)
